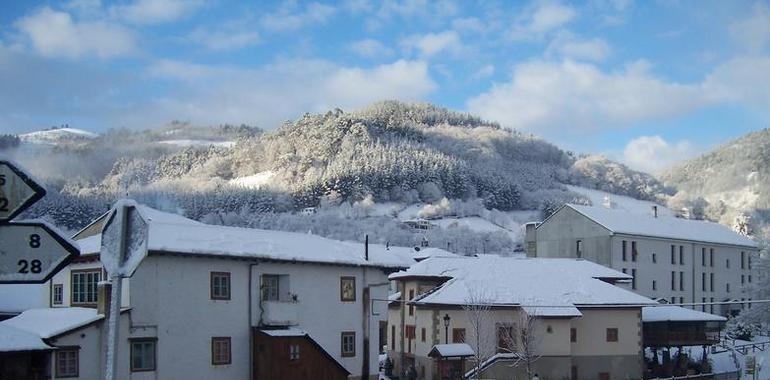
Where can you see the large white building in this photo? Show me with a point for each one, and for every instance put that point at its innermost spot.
(213, 302)
(581, 326)
(673, 259)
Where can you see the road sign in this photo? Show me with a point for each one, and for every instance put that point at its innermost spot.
(17, 191)
(124, 239)
(32, 252)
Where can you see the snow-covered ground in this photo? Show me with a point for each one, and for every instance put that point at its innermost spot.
(187, 142)
(256, 181)
(53, 136)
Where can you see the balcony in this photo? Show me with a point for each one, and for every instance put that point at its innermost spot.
(279, 313)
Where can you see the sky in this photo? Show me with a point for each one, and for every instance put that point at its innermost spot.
(649, 83)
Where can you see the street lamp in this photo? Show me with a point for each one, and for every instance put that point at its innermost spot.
(446, 328)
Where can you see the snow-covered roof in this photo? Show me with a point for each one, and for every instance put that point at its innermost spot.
(621, 222)
(677, 314)
(50, 322)
(452, 350)
(15, 339)
(176, 234)
(285, 332)
(546, 287)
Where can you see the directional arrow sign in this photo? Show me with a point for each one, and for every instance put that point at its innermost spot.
(32, 252)
(17, 191)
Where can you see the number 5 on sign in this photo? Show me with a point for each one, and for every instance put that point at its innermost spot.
(31, 252)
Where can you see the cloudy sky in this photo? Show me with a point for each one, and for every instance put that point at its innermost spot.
(648, 82)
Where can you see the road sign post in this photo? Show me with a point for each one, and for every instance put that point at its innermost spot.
(124, 244)
(30, 252)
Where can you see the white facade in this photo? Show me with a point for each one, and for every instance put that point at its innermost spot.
(678, 269)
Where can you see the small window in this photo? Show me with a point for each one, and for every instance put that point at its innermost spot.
(612, 335)
(703, 307)
(84, 287)
(348, 289)
(727, 287)
(349, 343)
(633, 279)
(712, 305)
(221, 350)
(294, 352)
(143, 354)
(711, 256)
(624, 270)
(681, 300)
(673, 280)
(654, 258)
(703, 256)
(549, 329)
(410, 332)
(681, 281)
(458, 335)
(573, 335)
(654, 285)
(422, 334)
(393, 337)
(623, 243)
(673, 254)
(633, 251)
(270, 287)
(411, 307)
(727, 263)
(703, 281)
(579, 248)
(743, 260)
(681, 255)
(711, 282)
(743, 279)
(67, 362)
(58, 294)
(220, 285)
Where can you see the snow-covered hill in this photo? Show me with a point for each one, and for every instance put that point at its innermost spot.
(57, 135)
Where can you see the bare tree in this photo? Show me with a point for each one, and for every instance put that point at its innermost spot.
(478, 312)
(522, 339)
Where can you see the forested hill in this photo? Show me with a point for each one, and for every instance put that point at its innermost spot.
(388, 152)
(730, 184)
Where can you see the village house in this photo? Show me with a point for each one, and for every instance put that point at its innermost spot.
(565, 317)
(671, 259)
(214, 302)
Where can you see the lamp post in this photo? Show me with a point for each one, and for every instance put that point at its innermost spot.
(446, 328)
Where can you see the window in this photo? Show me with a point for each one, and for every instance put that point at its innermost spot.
(573, 373)
(143, 354)
(458, 335)
(58, 294)
(348, 289)
(349, 343)
(673, 254)
(711, 256)
(749, 262)
(681, 255)
(573, 335)
(743, 279)
(393, 337)
(681, 300)
(712, 305)
(703, 307)
(727, 263)
(673, 300)
(579, 248)
(270, 287)
(633, 280)
(681, 280)
(220, 285)
(727, 287)
(220, 350)
(633, 251)
(422, 334)
(410, 332)
(624, 250)
(749, 279)
(711, 282)
(411, 307)
(84, 287)
(743, 260)
(654, 258)
(673, 280)
(294, 352)
(703, 281)
(504, 338)
(624, 270)
(67, 362)
(703, 256)
(654, 285)
(612, 334)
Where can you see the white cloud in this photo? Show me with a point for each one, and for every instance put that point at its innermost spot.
(433, 43)
(569, 46)
(547, 96)
(284, 90)
(155, 11)
(653, 153)
(289, 18)
(754, 31)
(484, 72)
(542, 19)
(370, 48)
(56, 34)
(225, 39)
(742, 80)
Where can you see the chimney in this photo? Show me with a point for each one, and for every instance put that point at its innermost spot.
(104, 298)
(655, 211)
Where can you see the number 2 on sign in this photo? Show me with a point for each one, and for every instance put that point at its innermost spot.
(34, 266)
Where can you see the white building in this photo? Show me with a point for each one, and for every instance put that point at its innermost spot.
(213, 302)
(582, 326)
(673, 259)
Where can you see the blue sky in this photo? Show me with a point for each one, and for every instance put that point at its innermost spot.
(647, 82)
